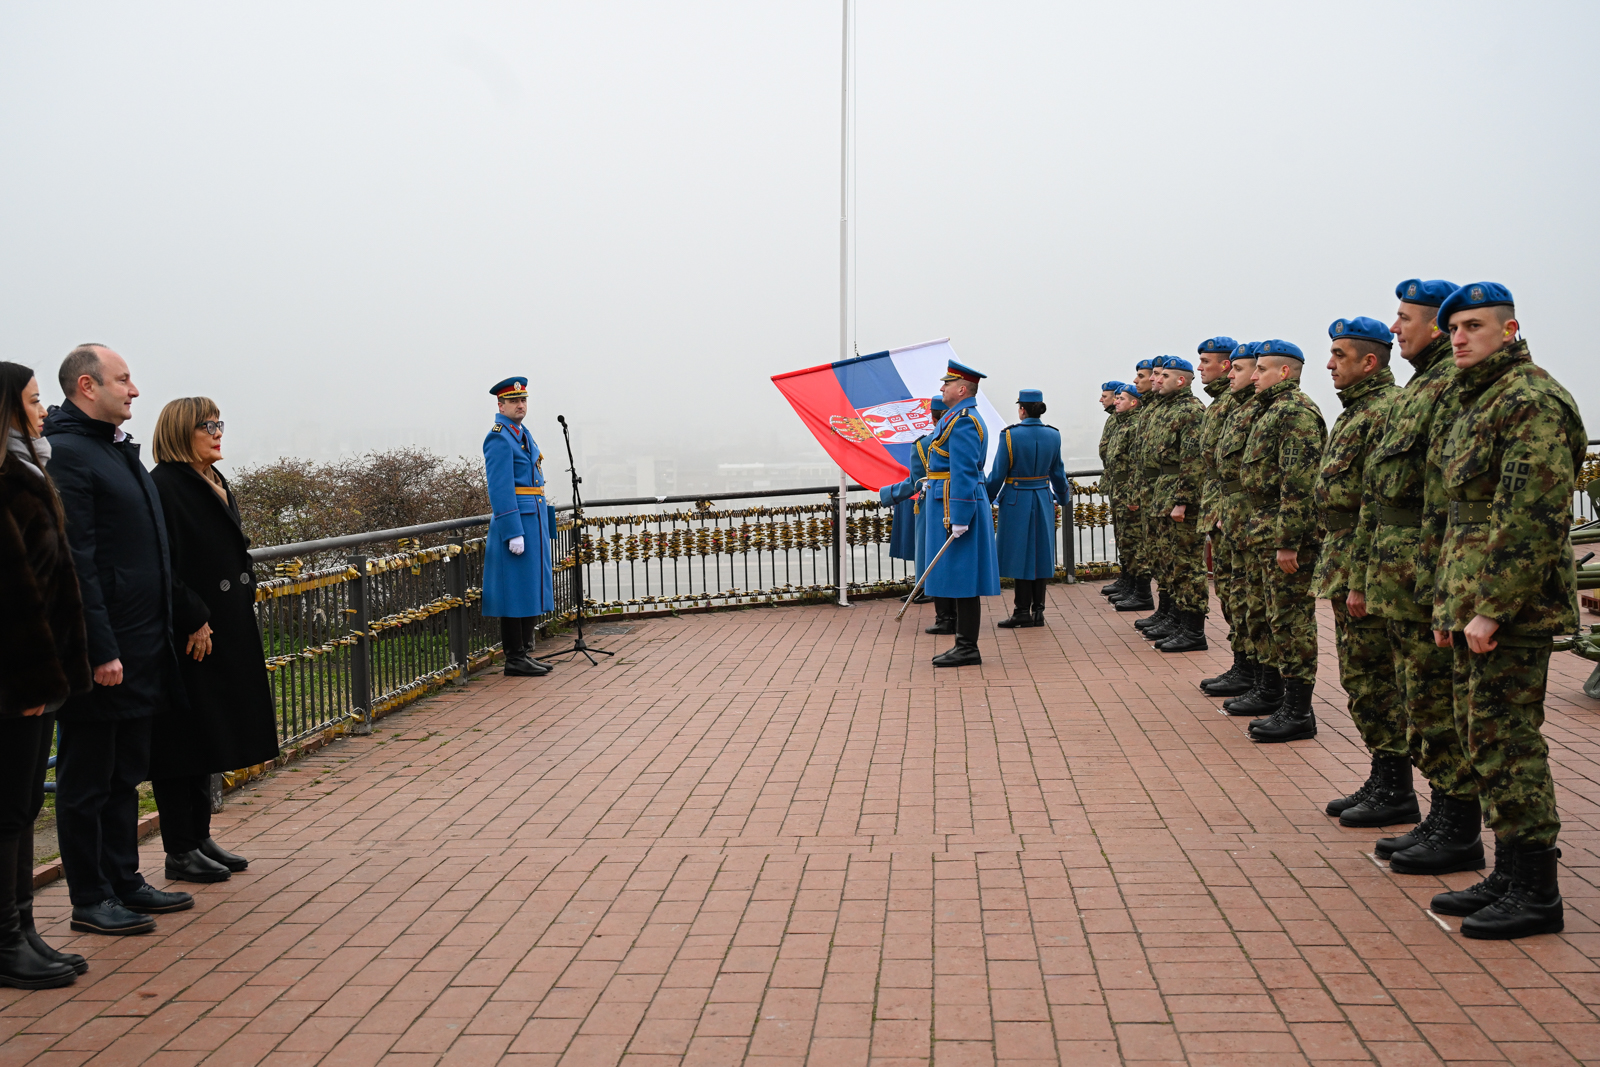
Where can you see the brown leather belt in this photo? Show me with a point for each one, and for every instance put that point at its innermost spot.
(1334, 521)
(1468, 512)
(1388, 516)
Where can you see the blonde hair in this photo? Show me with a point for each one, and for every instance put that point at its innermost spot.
(175, 426)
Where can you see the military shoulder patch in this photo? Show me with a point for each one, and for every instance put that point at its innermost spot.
(497, 427)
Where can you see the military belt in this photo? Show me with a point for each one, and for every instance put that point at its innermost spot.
(939, 476)
(530, 490)
(1388, 516)
(1334, 521)
(1152, 472)
(1170, 468)
(1038, 482)
(1228, 488)
(1467, 512)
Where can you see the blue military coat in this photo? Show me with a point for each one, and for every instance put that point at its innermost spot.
(905, 536)
(516, 587)
(1027, 483)
(957, 497)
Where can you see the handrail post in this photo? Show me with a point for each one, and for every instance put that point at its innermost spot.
(361, 651)
(455, 584)
(836, 549)
(1069, 539)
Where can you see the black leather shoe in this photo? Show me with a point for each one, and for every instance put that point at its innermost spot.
(1391, 801)
(214, 851)
(1016, 619)
(1530, 905)
(523, 667)
(1475, 898)
(23, 968)
(1456, 843)
(959, 656)
(152, 901)
(195, 866)
(923, 598)
(1038, 617)
(78, 964)
(942, 627)
(110, 917)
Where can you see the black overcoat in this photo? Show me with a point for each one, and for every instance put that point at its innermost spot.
(230, 722)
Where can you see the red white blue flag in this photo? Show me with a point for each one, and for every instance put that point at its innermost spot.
(867, 411)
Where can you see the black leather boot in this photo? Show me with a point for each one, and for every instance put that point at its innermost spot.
(1263, 698)
(21, 967)
(1162, 613)
(1392, 802)
(965, 652)
(1530, 905)
(78, 964)
(1190, 635)
(1477, 897)
(1339, 805)
(1138, 598)
(1117, 586)
(1038, 613)
(216, 852)
(195, 866)
(944, 616)
(1384, 847)
(1294, 720)
(1456, 843)
(1235, 681)
(1023, 615)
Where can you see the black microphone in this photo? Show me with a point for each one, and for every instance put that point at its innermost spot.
(562, 419)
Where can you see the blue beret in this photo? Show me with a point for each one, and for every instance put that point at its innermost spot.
(1221, 343)
(1280, 348)
(1144, 364)
(1473, 295)
(1361, 327)
(1129, 388)
(1030, 396)
(1428, 294)
(1110, 387)
(510, 388)
(1175, 363)
(938, 406)
(1246, 350)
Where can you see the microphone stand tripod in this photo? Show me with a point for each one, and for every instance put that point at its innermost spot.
(579, 645)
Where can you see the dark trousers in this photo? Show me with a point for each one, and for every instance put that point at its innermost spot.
(516, 635)
(24, 754)
(969, 611)
(185, 805)
(1030, 594)
(99, 766)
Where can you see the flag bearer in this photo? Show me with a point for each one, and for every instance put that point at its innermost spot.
(960, 512)
(1027, 483)
(518, 578)
(907, 534)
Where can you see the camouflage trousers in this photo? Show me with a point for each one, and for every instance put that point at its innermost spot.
(1499, 709)
(1130, 539)
(1433, 738)
(1367, 673)
(1249, 611)
(1290, 611)
(1222, 577)
(1180, 548)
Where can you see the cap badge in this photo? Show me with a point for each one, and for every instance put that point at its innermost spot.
(1476, 296)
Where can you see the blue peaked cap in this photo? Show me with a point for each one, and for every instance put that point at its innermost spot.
(1473, 295)
(1110, 387)
(1030, 396)
(1361, 328)
(1280, 348)
(514, 388)
(1428, 294)
(956, 372)
(1220, 343)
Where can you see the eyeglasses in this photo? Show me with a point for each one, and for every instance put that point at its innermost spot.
(211, 426)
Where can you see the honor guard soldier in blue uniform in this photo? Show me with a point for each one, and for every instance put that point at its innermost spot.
(1027, 483)
(906, 535)
(518, 580)
(958, 504)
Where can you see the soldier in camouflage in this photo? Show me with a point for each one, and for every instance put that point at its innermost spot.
(1359, 363)
(1279, 473)
(1265, 691)
(1108, 433)
(1399, 589)
(1505, 585)
(1173, 464)
(1215, 357)
(1135, 486)
(1128, 528)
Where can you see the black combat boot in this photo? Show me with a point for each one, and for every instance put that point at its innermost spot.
(1242, 674)
(1190, 637)
(1162, 613)
(1294, 721)
(1530, 905)
(1038, 613)
(1384, 847)
(1138, 596)
(1455, 843)
(944, 616)
(21, 966)
(965, 652)
(1392, 801)
(1118, 586)
(1263, 698)
(1023, 615)
(1479, 896)
(1339, 805)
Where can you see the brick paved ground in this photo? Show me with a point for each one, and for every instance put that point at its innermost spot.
(778, 836)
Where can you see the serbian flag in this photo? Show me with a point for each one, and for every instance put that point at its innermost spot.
(867, 411)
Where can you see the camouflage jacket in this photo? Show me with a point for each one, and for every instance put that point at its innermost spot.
(1279, 468)
(1172, 452)
(1211, 424)
(1232, 504)
(1131, 489)
(1511, 461)
(1399, 579)
(1108, 434)
(1340, 485)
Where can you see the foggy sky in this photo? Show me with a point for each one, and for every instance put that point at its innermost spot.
(344, 221)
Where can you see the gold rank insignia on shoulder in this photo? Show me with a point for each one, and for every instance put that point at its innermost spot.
(497, 427)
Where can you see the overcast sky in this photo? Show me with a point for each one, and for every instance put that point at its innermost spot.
(345, 221)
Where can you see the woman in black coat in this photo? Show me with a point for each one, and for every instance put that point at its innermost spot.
(230, 722)
(44, 658)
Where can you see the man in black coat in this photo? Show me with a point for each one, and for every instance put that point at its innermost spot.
(119, 544)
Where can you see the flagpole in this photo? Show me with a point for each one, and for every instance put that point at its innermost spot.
(847, 325)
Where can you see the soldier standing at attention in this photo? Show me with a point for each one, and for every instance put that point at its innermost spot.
(1026, 484)
(1172, 450)
(1279, 472)
(1133, 488)
(1360, 366)
(1215, 357)
(1506, 585)
(1108, 434)
(1399, 589)
(968, 569)
(1154, 521)
(518, 579)
(906, 534)
(1127, 525)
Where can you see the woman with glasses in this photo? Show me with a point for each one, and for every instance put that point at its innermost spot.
(229, 722)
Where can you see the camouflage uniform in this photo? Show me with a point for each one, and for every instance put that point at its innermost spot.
(1133, 485)
(1155, 561)
(1130, 543)
(1108, 435)
(1233, 508)
(1172, 452)
(1211, 425)
(1510, 464)
(1400, 565)
(1366, 666)
(1279, 475)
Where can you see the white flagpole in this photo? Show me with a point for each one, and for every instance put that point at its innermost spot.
(847, 325)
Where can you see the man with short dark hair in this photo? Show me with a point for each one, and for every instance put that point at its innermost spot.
(118, 537)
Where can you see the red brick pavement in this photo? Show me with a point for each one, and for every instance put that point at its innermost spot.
(779, 836)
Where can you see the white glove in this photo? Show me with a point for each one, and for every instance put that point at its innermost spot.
(515, 545)
(957, 531)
